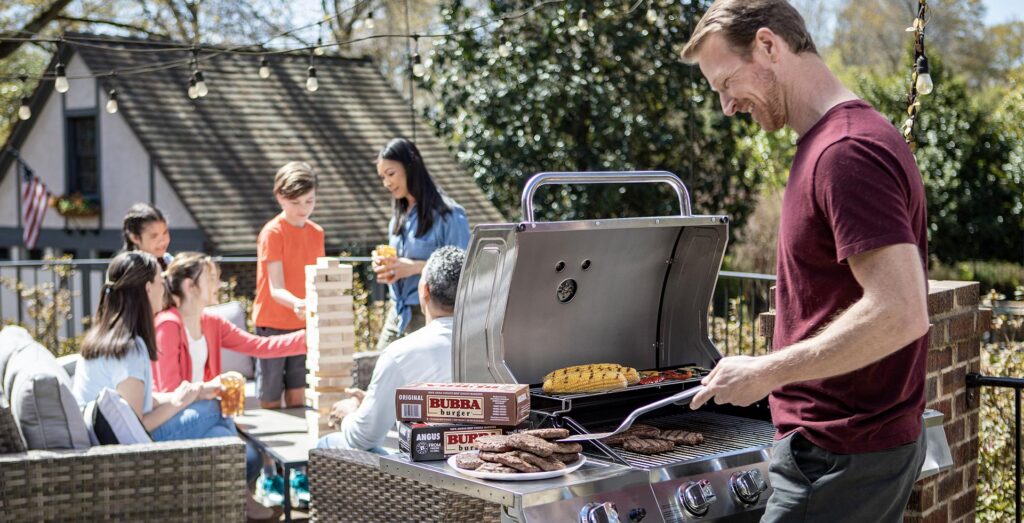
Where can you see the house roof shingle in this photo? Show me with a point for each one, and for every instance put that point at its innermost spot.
(220, 152)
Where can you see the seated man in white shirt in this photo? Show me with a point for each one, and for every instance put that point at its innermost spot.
(423, 356)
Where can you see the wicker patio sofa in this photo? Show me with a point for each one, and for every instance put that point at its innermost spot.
(193, 480)
(348, 486)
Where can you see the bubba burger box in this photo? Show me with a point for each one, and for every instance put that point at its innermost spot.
(502, 404)
(437, 441)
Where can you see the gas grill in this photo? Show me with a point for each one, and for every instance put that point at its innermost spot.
(538, 296)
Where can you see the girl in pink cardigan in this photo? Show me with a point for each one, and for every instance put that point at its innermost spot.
(190, 340)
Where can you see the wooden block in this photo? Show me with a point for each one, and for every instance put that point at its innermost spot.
(317, 424)
(315, 301)
(330, 369)
(321, 401)
(322, 287)
(327, 308)
(327, 262)
(321, 359)
(333, 318)
(328, 384)
(323, 350)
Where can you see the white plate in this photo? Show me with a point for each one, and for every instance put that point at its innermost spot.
(519, 476)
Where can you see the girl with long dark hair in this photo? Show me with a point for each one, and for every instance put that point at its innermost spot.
(145, 229)
(423, 219)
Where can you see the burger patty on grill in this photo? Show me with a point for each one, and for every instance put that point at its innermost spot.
(648, 445)
(682, 437)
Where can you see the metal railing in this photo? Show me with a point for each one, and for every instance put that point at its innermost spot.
(738, 300)
(75, 283)
(976, 381)
(740, 297)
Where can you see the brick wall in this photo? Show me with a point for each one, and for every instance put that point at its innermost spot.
(954, 343)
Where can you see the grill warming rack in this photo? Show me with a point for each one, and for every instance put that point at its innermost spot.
(565, 402)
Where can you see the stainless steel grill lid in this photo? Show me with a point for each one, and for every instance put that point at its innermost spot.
(537, 296)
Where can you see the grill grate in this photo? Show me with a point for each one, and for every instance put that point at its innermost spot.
(722, 434)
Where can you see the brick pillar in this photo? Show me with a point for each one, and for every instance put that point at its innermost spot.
(330, 338)
(954, 343)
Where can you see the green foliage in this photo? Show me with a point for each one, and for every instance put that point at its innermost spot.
(1002, 277)
(48, 304)
(995, 462)
(28, 61)
(972, 160)
(613, 96)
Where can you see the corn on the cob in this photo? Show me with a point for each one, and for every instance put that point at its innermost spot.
(585, 381)
(632, 376)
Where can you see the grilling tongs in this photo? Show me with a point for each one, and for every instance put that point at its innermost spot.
(683, 397)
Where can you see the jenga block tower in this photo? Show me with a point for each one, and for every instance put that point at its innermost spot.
(330, 338)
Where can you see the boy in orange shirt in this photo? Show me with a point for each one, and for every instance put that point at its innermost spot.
(285, 246)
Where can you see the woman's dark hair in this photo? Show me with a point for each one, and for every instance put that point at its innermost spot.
(429, 198)
(139, 216)
(124, 310)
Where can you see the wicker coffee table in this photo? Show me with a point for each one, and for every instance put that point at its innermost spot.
(284, 436)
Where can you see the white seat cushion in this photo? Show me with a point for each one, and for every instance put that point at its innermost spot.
(113, 421)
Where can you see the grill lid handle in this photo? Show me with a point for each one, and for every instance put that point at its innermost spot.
(619, 177)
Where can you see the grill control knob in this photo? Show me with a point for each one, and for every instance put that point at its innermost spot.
(638, 514)
(599, 513)
(696, 496)
(748, 485)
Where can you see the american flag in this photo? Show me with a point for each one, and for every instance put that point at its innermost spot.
(34, 199)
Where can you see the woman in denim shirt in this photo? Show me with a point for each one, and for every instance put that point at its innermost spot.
(423, 219)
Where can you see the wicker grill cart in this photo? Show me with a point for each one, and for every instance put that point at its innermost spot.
(348, 486)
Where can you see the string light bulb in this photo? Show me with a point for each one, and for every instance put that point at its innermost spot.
(924, 82)
(61, 82)
(368, 24)
(319, 49)
(112, 101)
(583, 24)
(24, 112)
(312, 84)
(201, 88)
(193, 93)
(418, 69)
(264, 68)
(504, 48)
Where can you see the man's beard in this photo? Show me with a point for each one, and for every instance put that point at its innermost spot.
(773, 110)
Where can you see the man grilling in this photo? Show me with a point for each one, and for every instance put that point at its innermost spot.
(846, 378)
(423, 356)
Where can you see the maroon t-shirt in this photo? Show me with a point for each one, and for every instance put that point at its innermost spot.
(854, 187)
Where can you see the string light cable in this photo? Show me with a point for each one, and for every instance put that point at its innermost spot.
(920, 76)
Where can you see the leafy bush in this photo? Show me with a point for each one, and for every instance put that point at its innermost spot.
(995, 462)
(48, 304)
(1003, 277)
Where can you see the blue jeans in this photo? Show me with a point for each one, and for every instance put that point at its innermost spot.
(202, 420)
(335, 440)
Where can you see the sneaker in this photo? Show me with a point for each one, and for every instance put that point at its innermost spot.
(255, 511)
(300, 489)
(270, 490)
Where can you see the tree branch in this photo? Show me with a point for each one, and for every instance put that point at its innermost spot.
(121, 25)
(33, 26)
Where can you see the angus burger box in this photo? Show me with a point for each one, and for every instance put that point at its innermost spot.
(437, 441)
(502, 404)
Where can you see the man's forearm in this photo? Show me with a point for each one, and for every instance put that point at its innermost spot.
(865, 333)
